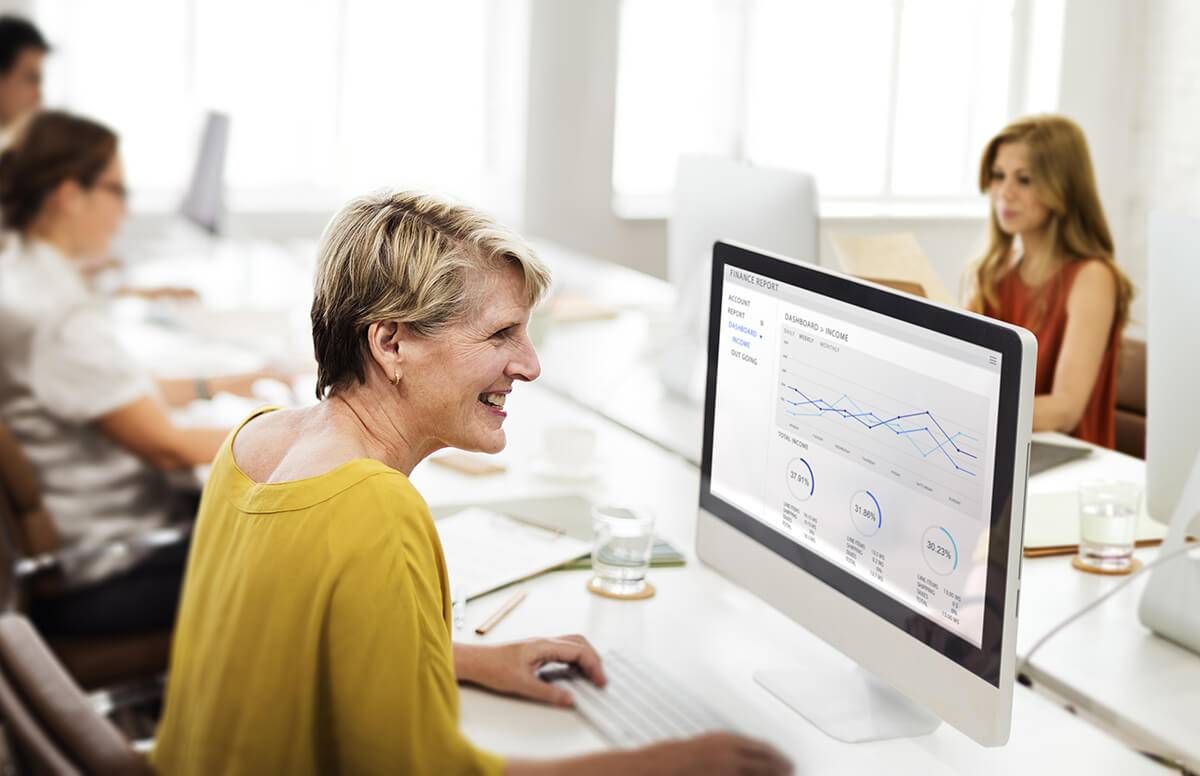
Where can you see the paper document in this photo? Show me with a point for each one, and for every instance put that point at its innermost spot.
(1052, 524)
(894, 257)
(486, 550)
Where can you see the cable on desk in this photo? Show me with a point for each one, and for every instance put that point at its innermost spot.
(1178, 551)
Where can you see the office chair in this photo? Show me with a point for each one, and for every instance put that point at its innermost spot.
(31, 553)
(1131, 397)
(51, 726)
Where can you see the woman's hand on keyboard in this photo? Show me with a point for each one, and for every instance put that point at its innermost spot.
(512, 668)
(713, 753)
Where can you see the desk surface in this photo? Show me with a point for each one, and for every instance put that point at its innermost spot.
(608, 366)
(1107, 665)
(699, 624)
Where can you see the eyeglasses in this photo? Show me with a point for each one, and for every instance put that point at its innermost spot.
(116, 188)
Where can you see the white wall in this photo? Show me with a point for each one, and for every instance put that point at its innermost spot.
(1165, 141)
(572, 101)
(1103, 67)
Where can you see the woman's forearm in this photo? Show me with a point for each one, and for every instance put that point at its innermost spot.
(1052, 412)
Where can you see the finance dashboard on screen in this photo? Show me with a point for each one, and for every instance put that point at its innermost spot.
(861, 438)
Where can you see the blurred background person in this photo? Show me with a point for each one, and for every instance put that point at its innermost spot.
(22, 51)
(1049, 267)
(94, 423)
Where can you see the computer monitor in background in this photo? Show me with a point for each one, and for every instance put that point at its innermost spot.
(864, 470)
(717, 198)
(1171, 602)
(204, 202)
(1172, 359)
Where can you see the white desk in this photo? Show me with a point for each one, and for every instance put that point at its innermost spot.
(608, 366)
(1140, 687)
(699, 624)
(1108, 666)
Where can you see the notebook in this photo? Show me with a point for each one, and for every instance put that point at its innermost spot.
(1052, 525)
(487, 550)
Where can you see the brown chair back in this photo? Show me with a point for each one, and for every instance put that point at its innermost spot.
(50, 722)
(34, 531)
(1131, 397)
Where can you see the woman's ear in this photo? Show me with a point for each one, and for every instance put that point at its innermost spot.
(66, 197)
(384, 341)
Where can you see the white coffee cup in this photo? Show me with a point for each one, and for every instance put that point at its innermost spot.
(569, 448)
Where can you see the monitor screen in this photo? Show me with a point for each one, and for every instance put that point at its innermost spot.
(862, 447)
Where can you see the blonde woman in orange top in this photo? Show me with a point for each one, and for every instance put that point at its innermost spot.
(1049, 267)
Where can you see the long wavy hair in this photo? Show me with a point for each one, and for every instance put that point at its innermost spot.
(1063, 180)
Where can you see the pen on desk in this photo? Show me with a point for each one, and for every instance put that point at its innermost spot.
(501, 613)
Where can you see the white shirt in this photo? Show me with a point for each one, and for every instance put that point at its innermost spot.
(61, 368)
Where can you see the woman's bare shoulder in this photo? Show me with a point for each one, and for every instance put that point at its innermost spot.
(1095, 275)
(293, 444)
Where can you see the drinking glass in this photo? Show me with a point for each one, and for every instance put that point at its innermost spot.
(623, 538)
(1108, 513)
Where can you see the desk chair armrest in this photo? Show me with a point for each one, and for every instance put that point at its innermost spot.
(32, 566)
(112, 699)
(70, 559)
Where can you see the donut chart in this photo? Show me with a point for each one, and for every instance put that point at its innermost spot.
(865, 513)
(800, 480)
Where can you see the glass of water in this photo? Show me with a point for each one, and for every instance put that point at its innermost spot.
(1108, 514)
(623, 538)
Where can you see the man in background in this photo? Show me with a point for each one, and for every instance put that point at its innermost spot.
(22, 49)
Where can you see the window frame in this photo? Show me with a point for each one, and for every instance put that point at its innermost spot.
(1024, 48)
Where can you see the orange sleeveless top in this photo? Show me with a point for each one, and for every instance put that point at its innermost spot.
(1043, 311)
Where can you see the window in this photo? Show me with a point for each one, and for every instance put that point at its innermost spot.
(885, 101)
(327, 99)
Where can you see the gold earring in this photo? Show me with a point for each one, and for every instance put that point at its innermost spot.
(396, 378)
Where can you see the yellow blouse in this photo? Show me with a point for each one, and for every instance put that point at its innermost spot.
(314, 632)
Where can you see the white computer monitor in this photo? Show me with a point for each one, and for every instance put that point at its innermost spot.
(718, 198)
(864, 470)
(1172, 359)
(204, 202)
(1170, 604)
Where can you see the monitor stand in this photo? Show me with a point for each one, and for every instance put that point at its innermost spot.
(848, 703)
(1171, 600)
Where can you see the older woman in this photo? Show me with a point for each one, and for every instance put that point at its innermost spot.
(93, 421)
(314, 632)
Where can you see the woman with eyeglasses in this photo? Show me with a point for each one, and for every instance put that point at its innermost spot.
(93, 422)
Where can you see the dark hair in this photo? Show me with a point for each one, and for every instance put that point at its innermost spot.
(16, 35)
(51, 148)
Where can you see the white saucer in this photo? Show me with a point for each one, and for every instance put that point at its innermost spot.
(556, 471)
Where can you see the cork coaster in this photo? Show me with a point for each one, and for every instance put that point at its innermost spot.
(646, 592)
(1134, 565)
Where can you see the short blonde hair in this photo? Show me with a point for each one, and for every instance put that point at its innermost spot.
(405, 257)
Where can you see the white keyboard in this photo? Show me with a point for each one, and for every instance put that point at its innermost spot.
(640, 705)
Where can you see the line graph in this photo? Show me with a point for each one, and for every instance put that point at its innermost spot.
(911, 426)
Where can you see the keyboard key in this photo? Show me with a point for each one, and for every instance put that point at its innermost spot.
(640, 704)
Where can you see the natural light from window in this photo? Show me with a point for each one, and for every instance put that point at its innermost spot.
(327, 98)
(885, 101)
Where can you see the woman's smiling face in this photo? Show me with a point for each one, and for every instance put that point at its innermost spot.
(455, 382)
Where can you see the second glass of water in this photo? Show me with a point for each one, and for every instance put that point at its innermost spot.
(1108, 514)
(623, 538)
